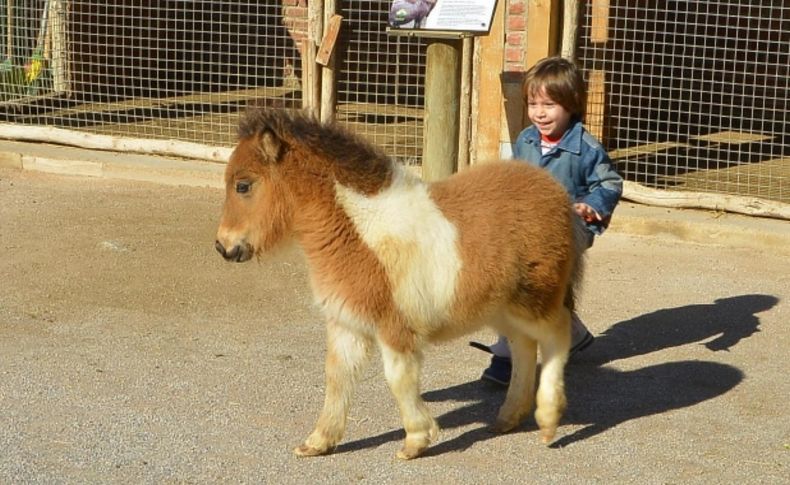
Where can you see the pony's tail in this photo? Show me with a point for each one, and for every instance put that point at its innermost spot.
(581, 241)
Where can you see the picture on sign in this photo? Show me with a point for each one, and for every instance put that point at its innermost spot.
(453, 15)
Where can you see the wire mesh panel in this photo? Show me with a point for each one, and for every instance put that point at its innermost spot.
(381, 81)
(169, 69)
(692, 95)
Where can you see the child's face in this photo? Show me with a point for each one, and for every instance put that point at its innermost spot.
(550, 118)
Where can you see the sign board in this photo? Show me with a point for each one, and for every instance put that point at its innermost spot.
(469, 16)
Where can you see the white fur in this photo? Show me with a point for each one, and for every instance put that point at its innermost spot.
(414, 241)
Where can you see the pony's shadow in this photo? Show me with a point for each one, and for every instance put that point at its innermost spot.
(606, 397)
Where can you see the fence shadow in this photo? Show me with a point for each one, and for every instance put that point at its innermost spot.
(601, 397)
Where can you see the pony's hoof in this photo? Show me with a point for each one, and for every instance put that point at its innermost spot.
(502, 426)
(305, 450)
(409, 452)
(547, 435)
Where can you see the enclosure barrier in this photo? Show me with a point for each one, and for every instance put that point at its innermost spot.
(690, 98)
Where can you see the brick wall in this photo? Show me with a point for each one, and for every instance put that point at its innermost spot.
(515, 35)
(295, 19)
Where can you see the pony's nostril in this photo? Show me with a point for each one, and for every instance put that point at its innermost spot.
(220, 248)
(233, 254)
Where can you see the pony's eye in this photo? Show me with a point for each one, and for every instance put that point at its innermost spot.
(242, 187)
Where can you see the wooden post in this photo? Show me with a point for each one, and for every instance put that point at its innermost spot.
(570, 28)
(10, 30)
(61, 76)
(311, 85)
(465, 107)
(442, 94)
(328, 75)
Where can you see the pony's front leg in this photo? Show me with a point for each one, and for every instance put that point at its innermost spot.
(402, 370)
(346, 355)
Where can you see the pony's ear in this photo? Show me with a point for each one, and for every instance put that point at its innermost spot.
(270, 146)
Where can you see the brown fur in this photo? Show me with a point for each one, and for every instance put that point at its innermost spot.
(540, 236)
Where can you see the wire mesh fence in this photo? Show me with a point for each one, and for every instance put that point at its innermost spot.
(167, 70)
(187, 70)
(381, 85)
(694, 95)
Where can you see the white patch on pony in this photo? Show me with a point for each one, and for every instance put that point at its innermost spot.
(414, 242)
(335, 310)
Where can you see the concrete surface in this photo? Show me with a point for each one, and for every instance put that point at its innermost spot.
(131, 353)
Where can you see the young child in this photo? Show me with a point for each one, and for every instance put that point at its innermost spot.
(557, 141)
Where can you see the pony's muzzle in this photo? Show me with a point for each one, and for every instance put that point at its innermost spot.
(238, 253)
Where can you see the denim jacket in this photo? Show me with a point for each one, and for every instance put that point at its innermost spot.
(581, 165)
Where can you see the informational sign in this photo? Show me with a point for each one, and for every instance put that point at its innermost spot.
(442, 15)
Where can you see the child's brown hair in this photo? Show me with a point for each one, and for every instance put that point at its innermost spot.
(562, 82)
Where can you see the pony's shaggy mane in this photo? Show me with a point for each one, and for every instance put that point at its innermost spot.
(351, 155)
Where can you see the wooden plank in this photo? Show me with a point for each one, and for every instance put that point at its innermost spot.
(543, 29)
(599, 32)
(465, 107)
(490, 51)
(329, 40)
(596, 97)
(309, 77)
(543, 36)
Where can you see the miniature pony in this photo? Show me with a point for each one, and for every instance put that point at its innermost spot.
(398, 263)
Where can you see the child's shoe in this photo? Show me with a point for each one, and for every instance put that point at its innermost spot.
(498, 371)
(500, 368)
(581, 338)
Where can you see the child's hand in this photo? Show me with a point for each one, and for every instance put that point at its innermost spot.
(586, 212)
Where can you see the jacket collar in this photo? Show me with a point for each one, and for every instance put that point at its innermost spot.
(571, 141)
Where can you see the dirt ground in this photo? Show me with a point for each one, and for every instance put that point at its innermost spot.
(130, 352)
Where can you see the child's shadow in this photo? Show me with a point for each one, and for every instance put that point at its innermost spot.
(728, 319)
(601, 397)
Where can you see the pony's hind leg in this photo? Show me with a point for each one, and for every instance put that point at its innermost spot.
(554, 348)
(521, 391)
(402, 370)
(347, 353)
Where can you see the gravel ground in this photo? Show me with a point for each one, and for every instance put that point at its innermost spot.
(130, 352)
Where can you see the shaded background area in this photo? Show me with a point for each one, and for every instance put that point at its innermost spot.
(696, 93)
(690, 95)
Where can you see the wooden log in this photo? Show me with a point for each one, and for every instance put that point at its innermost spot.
(702, 200)
(60, 136)
(442, 93)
